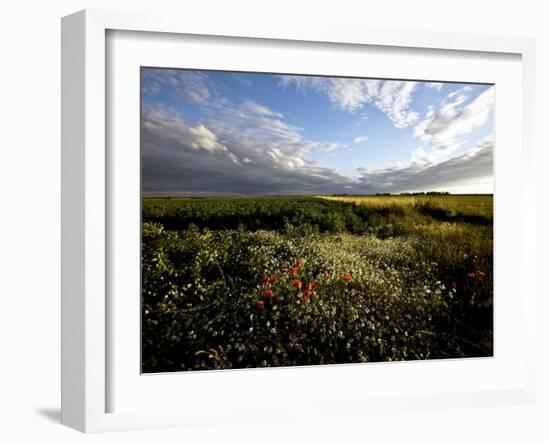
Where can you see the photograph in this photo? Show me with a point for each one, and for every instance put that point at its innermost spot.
(301, 220)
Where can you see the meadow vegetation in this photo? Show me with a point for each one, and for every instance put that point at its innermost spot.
(285, 281)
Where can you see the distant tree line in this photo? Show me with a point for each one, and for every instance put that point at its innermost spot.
(432, 193)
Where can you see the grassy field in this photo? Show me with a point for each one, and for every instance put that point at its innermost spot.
(464, 204)
(282, 281)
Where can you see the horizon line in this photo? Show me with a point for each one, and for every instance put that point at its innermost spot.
(313, 195)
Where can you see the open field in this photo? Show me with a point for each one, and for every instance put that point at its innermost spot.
(282, 281)
(465, 204)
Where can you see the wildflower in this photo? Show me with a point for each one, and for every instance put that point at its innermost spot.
(259, 305)
(307, 294)
(482, 274)
(269, 293)
(347, 277)
(297, 283)
(471, 275)
(298, 263)
(312, 285)
(265, 279)
(325, 274)
(273, 280)
(293, 271)
(453, 285)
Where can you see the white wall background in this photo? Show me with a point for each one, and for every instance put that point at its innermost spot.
(30, 216)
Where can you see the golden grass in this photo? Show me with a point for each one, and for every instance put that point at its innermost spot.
(465, 204)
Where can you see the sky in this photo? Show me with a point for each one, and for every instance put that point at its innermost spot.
(235, 133)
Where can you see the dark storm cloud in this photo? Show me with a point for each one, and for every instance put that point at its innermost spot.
(181, 159)
(473, 164)
(251, 155)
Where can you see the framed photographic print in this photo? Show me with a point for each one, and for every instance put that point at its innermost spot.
(250, 214)
(270, 238)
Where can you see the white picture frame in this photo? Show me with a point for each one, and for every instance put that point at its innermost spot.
(86, 209)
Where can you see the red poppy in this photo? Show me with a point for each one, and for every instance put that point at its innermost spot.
(347, 277)
(325, 274)
(312, 285)
(259, 305)
(453, 285)
(265, 279)
(269, 293)
(293, 271)
(297, 283)
(307, 294)
(273, 280)
(298, 263)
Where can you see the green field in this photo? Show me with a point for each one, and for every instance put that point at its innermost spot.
(284, 281)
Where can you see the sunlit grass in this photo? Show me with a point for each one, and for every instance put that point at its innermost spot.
(465, 204)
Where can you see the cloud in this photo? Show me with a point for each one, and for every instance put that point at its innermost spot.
(394, 99)
(232, 152)
(389, 96)
(259, 109)
(183, 84)
(471, 165)
(434, 85)
(243, 80)
(162, 125)
(443, 128)
(420, 156)
(183, 159)
(328, 147)
(245, 147)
